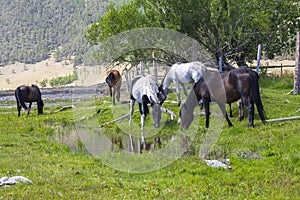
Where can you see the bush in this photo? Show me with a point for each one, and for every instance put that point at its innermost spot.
(44, 82)
(64, 80)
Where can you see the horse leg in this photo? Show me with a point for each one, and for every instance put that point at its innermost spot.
(184, 90)
(118, 89)
(131, 110)
(131, 144)
(143, 141)
(110, 92)
(143, 116)
(222, 106)
(241, 109)
(143, 111)
(19, 108)
(114, 96)
(177, 92)
(230, 110)
(118, 94)
(250, 106)
(29, 107)
(207, 113)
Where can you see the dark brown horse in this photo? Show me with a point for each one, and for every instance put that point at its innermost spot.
(241, 83)
(29, 94)
(114, 82)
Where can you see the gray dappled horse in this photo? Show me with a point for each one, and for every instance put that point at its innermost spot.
(183, 73)
(29, 94)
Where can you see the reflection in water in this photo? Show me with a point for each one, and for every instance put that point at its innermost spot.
(101, 143)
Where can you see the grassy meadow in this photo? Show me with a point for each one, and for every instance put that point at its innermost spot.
(265, 160)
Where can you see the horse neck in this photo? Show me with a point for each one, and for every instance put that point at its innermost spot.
(167, 81)
(151, 93)
(191, 101)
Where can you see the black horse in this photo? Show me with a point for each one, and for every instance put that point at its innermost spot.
(29, 94)
(241, 83)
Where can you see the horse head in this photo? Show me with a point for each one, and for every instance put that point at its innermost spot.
(156, 114)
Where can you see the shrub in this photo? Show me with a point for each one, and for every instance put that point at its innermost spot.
(64, 80)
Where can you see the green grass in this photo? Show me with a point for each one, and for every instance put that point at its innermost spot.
(265, 160)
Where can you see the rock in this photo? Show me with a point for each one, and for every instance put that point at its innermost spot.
(13, 180)
(216, 163)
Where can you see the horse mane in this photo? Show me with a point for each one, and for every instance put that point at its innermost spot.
(152, 92)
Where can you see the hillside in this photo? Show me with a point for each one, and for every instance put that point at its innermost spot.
(31, 29)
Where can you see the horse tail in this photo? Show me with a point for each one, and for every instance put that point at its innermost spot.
(20, 98)
(255, 94)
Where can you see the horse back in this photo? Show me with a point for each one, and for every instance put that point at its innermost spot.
(230, 84)
(28, 94)
(34, 94)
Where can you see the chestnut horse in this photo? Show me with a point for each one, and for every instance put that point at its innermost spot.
(241, 83)
(114, 82)
(29, 94)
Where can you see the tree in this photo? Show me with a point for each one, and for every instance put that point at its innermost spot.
(228, 28)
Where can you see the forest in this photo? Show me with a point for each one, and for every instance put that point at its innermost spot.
(33, 29)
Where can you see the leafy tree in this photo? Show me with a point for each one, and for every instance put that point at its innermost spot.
(228, 28)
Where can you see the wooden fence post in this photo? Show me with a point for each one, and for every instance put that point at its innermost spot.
(142, 68)
(127, 80)
(155, 67)
(258, 58)
(195, 51)
(220, 64)
(297, 66)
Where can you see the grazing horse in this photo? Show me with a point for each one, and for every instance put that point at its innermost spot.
(183, 73)
(29, 94)
(241, 83)
(114, 82)
(145, 91)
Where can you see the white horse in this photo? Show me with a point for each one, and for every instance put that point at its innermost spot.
(145, 91)
(183, 73)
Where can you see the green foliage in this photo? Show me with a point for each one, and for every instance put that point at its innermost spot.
(277, 82)
(31, 30)
(44, 82)
(231, 28)
(118, 20)
(64, 80)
